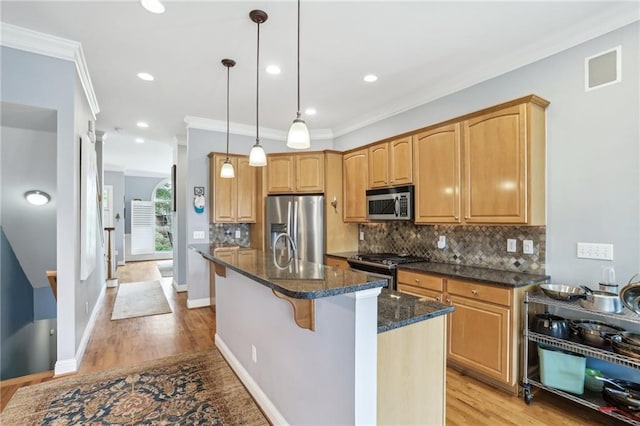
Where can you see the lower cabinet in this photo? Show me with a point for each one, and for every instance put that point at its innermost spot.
(336, 262)
(483, 331)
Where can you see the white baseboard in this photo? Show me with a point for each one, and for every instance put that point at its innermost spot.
(258, 394)
(198, 303)
(112, 283)
(121, 263)
(67, 366)
(179, 287)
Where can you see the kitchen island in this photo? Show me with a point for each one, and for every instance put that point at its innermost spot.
(320, 345)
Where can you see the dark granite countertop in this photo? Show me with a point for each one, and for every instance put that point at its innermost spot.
(296, 278)
(397, 310)
(475, 273)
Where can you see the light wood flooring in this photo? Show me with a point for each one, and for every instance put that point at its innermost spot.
(133, 341)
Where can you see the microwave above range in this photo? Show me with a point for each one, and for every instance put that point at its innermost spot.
(390, 203)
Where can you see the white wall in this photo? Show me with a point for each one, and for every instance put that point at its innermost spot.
(593, 153)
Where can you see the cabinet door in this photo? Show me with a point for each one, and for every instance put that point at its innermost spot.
(247, 188)
(400, 161)
(224, 192)
(479, 337)
(310, 172)
(378, 165)
(229, 255)
(280, 174)
(355, 186)
(247, 259)
(436, 155)
(495, 151)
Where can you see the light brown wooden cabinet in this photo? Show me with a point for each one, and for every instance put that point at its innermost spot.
(233, 200)
(437, 178)
(389, 163)
(336, 262)
(504, 164)
(295, 173)
(355, 186)
(483, 331)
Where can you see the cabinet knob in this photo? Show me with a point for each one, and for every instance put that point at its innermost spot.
(417, 280)
(466, 217)
(474, 292)
(437, 298)
(456, 217)
(448, 301)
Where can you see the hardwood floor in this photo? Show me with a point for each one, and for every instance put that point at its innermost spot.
(134, 341)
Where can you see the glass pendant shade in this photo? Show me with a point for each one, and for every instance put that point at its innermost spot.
(227, 170)
(298, 135)
(257, 157)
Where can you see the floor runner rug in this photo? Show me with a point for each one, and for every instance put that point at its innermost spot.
(140, 299)
(188, 389)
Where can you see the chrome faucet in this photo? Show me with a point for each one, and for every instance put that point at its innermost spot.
(293, 244)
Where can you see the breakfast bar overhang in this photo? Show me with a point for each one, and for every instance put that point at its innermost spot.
(321, 345)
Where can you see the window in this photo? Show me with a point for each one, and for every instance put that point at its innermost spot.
(163, 200)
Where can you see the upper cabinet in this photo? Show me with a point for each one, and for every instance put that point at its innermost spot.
(504, 165)
(436, 157)
(289, 173)
(354, 167)
(390, 163)
(233, 200)
(487, 168)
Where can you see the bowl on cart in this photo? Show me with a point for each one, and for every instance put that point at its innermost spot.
(562, 291)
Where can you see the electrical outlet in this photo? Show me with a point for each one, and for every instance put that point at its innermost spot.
(527, 246)
(198, 235)
(254, 354)
(595, 251)
(512, 245)
(237, 233)
(361, 235)
(442, 241)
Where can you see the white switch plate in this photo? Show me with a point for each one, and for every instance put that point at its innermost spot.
(198, 235)
(511, 245)
(527, 246)
(254, 354)
(361, 235)
(595, 251)
(442, 242)
(237, 233)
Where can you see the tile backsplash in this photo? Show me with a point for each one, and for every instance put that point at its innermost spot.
(225, 233)
(473, 245)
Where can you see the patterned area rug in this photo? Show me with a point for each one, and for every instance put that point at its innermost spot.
(189, 389)
(139, 300)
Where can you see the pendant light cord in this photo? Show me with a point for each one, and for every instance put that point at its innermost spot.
(228, 114)
(257, 84)
(298, 111)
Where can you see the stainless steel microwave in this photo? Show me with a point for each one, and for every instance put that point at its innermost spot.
(390, 203)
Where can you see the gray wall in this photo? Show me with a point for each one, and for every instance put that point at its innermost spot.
(45, 82)
(116, 179)
(179, 222)
(593, 183)
(138, 188)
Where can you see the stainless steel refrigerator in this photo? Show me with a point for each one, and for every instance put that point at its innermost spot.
(302, 218)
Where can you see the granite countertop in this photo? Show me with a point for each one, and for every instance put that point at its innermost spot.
(495, 276)
(294, 278)
(397, 310)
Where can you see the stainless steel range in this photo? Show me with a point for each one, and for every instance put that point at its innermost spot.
(382, 265)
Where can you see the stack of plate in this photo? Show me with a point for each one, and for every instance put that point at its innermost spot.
(627, 343)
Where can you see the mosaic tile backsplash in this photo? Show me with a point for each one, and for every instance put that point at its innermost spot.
(225, 233)
(473, 245)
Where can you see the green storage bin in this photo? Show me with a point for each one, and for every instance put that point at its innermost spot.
(562, 370)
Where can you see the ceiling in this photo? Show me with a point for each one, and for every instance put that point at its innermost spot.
(420, 50)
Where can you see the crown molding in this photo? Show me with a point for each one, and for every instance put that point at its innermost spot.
(56, 47)
(615, 18)
(247, 130)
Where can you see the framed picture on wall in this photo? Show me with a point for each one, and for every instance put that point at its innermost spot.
(173, 185)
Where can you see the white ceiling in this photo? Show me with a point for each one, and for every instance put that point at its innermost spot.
(420, 50)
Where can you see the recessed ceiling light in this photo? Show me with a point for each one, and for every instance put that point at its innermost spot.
(153, 6)
(273, 69)
(139, 140)
(142, 124)
(37, 198)
(145, 76)
(370, 78)
(310, 111)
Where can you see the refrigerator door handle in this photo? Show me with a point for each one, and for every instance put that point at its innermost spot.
(289, 217)
(295, 223)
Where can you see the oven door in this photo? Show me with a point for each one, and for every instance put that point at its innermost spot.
(376, 276)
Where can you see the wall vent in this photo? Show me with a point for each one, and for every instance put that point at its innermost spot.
(602, 69)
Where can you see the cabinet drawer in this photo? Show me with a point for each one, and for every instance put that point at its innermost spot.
(486, 293)
(414, 279)
(336, 262)
(420, 292)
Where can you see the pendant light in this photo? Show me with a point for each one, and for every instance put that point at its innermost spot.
(257, 157)
(298, 137)
(227, 168)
